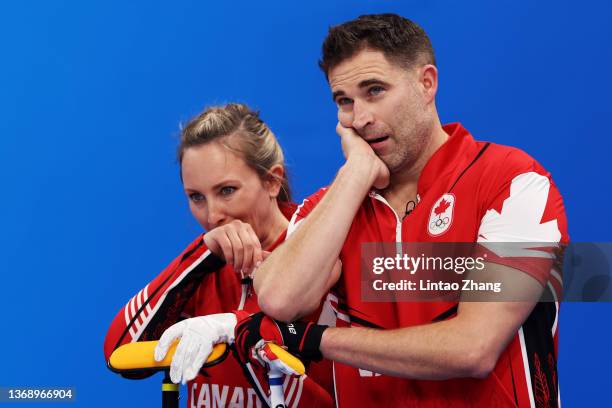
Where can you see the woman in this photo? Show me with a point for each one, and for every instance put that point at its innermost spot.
(233, 174)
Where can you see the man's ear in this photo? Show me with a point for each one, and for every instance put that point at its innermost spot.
(273, 182)
(429, 82)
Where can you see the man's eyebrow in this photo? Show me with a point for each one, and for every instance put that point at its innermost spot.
(337, 94)
(363, 84)
(372, 81)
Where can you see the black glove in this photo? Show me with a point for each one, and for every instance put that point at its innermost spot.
(302, 339)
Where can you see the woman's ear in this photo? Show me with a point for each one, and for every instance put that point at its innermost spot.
(274, 179)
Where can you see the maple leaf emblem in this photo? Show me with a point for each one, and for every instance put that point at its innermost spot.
(521, 216)
(541, 390)
(441, 208)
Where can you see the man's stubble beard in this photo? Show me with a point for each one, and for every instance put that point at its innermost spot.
(412, 144)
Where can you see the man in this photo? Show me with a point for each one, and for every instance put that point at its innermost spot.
(401, 165)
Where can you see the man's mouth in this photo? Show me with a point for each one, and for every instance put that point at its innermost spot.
(377, 140)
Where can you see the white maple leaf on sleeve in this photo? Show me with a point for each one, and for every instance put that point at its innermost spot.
(521, 216)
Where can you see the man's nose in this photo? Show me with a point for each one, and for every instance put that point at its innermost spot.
(362, 116)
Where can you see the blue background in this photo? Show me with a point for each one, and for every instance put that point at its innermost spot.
(92, 95)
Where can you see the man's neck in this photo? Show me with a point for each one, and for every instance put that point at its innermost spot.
(403, 184)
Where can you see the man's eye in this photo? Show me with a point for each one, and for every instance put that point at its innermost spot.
(196, 197)
(227, 190)
(343, 101)
(376, 90)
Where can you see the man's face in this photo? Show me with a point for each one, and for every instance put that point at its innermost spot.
(387, 105)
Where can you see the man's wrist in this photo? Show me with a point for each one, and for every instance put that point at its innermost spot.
(302, 338)
(326, 341)
(313, 339)
(361, 170)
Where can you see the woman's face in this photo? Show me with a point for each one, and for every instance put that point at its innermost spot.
(221, 187)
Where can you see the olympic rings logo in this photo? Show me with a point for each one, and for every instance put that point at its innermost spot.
(441, 215)
(440, 223)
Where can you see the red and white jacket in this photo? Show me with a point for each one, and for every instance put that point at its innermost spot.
(197, 283)
(491, 193)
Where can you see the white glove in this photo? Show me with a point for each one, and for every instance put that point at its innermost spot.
(198, 336)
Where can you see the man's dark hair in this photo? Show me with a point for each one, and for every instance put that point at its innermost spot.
(402, 41)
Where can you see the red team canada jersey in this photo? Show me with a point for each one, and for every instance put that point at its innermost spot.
(492, 193)
(197, 283)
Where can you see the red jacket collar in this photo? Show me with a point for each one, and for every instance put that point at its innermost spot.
(447, 157)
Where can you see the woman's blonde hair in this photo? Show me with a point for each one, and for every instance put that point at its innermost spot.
(240, 129)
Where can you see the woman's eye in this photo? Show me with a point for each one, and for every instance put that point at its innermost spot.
(227, 190)
(376, 90)
(196, 197)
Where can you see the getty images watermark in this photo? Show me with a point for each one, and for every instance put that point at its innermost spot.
(411, 264)
(534, 271)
